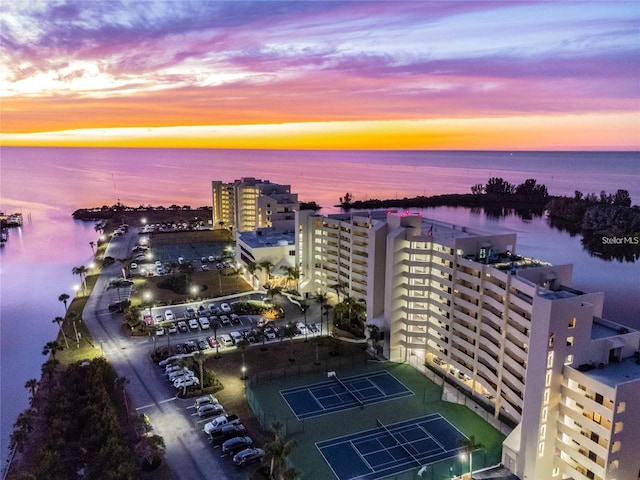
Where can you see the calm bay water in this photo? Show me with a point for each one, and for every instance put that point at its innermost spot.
(49, 184)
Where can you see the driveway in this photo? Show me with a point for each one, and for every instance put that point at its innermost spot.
(188, 452)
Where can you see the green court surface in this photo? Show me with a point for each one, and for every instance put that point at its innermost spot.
(315, 432)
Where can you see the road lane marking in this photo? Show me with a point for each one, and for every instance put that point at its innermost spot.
(156, 403)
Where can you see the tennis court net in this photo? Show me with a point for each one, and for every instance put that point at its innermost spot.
(399, 442)
(348, 390)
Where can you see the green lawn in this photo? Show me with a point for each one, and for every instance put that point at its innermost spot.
(306, 458)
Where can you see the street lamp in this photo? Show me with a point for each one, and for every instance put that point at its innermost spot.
(92, 265)
(463, 457)
(194, 291)
(76, 288)
(243, 369)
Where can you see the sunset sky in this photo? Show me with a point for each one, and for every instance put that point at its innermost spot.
(321, 74)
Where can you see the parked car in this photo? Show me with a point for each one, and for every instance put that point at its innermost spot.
(168, 315)
(211, 258)
(190, 312)
(224, 320)
(159, 331)
(210, 409)
(205, 400)
(172, 328)
(227, 432)
(213, 309)
(180, 372)
(205, 268)
(302, 328)
(182, 326)
(235, 318)
(225, 307)
(193, 324)
(202, 310)
(244, 457)
(213, 342)
(187, 382)
(234, 445)
(203, 345)
(191, 346)
(204, 323)
(236, 337)
(158, 319)
(167, 361)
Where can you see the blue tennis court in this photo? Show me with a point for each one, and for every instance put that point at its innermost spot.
(392, 449)
(349, 392)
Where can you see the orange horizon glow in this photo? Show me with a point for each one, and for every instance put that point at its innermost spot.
(613, 132)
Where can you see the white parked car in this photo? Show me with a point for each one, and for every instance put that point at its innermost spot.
(302, 328)
(159, 331)
(188, 382)
(168, 315)
(172, 328)
(225, 307)
(158, 319)
(193, 324)
(204, 323)
(133, 266)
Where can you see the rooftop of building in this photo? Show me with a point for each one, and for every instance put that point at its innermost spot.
(266, 237)
(599, 329)
(615, 373)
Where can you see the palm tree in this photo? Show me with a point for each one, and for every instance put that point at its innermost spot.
(266, 266)
(92, 245)
(118, 283)
(327, 308)
(51, 348)
(63, 298)
(272, 291)
(277, 451)
(59, 321)
(340, 287)
(470, 445)
(31, 384)
(374, 336)
(199, 358)
(252, 268)
(82, 272)
(322, 300)
(49, 368)
(290, 331)
(304, 307)
(292, 273)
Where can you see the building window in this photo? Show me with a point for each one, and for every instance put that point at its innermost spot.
(547, 379)
(550, 360)
(597, 417)
(622, 406)
(292, 253)
(568, 360)
(616, 447)
(555, 472)
(569, 341)
(619, 426)
(541, 449)
(545, 410)
(545, 397)
(572, 322)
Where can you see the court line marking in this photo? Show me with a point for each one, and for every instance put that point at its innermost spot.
(341, 407)
(371, 434)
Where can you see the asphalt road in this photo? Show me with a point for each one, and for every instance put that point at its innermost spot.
(188, 452)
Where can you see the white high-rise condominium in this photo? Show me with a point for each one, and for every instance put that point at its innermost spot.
(510, 330)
